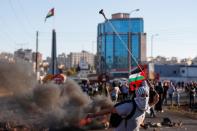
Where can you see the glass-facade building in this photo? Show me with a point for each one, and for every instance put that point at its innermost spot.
(121, 42)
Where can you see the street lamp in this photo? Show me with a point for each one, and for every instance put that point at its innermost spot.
(133, 11)
(130, 17)
(129, 40)
(152, 38)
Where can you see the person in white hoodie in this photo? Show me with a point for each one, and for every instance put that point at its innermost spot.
(141, 101)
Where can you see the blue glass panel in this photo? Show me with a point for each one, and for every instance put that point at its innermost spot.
(109, 51)
(135, 49)
(136, 25)
(103, 46)
(121, 52)
(123, 26)
(99, 44)
(117, 25)
(102, 28)
(98, 30)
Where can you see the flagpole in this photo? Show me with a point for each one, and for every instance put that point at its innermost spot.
(54, 18)
(36, 51)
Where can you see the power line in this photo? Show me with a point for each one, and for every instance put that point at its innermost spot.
(23, 10)
(18, 21)
(6, 34)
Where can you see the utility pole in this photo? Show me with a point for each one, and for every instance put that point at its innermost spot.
(36, 51)
(152, 38)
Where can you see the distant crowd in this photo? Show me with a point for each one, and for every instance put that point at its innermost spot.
(170, 93)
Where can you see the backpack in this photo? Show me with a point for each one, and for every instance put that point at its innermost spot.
(115, 119)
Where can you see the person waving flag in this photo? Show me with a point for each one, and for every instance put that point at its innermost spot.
(50, 13)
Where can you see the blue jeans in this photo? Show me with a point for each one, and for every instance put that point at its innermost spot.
(171, 98)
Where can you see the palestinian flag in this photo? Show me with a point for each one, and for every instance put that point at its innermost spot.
(50, 13)
(136, 78)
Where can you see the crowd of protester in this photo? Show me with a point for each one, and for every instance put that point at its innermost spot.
(169, 91)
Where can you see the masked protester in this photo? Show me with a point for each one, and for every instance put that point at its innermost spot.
(141, 105)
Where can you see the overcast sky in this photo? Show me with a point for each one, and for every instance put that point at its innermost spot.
(76, 21)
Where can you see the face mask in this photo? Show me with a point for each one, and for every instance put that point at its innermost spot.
(142, 103)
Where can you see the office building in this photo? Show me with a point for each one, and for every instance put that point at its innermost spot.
(117, 54)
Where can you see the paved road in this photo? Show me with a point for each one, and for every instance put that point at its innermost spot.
(189, 124)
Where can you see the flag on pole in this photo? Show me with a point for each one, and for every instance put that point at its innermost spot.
(136, 78)
(50, 13)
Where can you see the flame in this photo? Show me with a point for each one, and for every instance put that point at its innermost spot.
(85, 121)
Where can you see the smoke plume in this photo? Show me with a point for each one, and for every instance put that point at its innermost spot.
(25, 101)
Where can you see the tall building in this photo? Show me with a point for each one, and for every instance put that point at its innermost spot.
(114, 51)
(61, 59)
(74, 58)
(25, 54)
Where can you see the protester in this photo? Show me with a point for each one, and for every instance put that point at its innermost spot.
(152, 94)
(153, 99)
(133, 124)
(125, 90)
(85, 86)
(177, 95)
(171, 90)
(165, 87)
(160, 90)
(192, 94)
(95, 88)
(115, 92)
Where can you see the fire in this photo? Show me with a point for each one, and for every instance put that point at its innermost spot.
(100, 122)
(85, 121)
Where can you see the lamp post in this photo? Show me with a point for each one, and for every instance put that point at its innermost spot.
(152, 38)
(134, 11)
(129, 29)
(129, 39)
